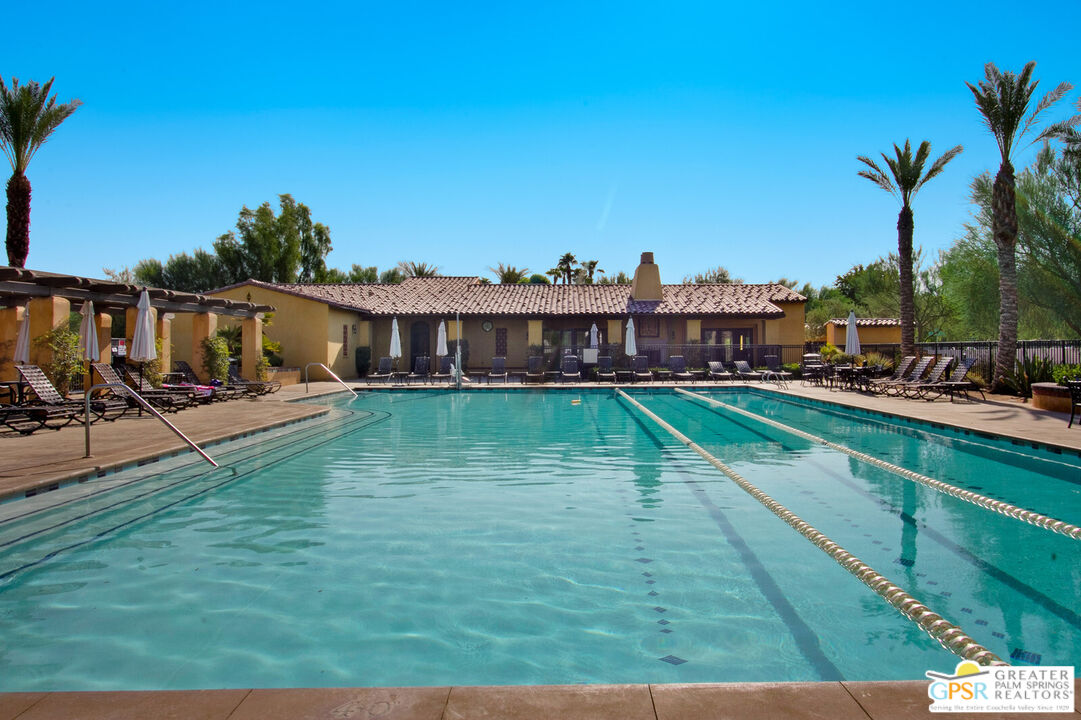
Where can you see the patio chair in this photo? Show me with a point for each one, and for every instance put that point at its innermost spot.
(499, 369)
(1075, 399)
(384, 372)
(919, 387)
(258, 387)
(899, 373)
(773, 363)
(220, 391)
(535, 371)
(957, 382)
(420, 369)
(444, 369)
(640, 366)
(717, 371)
(743, 369)
(162, 400)
(569, 369)
(914, 375)
(677, 364)
(200, 394)
(605, 370)
(52, 410)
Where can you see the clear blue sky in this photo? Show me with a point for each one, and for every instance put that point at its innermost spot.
(466, 134)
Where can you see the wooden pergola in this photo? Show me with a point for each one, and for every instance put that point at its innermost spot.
(52, 297)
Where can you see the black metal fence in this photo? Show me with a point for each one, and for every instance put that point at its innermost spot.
(697, 355)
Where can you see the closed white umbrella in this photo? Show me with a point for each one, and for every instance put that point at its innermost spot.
(852, 336)
(395, 340)
(142, 339)
(22, 341)
(441, 339)
(88, 334)
(632, 347)
(593, 336)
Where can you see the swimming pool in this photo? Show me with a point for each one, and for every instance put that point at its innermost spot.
(431, 538)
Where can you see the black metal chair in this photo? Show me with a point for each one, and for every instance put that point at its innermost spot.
(499, 369)
(384, 372)
(641, 368)
(420, 369)
(569, 369)
(1075, 399)
(717, 372)
(535, 370)
(604, 368)
(444, 369)
(677, 364)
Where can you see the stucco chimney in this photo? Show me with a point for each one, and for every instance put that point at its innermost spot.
(647, 280)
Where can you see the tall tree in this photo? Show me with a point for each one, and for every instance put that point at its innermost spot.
(589, 268)
(566, 267)
(555, 273)
(718, 274)
(905, 178)
(27, 117)
(509, 275)
(282, 248)
(1003, 100)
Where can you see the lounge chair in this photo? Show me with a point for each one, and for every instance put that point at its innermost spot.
(743, 369)
(716, 371)
(52, 410)
(918, 388)
(384, 372)
(568, 369)
(892, 387)
(957, 382)
(420, 369)
(162, 400)
(258, 387)
(201, 394)
(536, 369)
(604, 368)
(220, 392)
(640, 366)
(1075, 399)
(899, 373)
(499, 369)
(677, 364)
(444, 369)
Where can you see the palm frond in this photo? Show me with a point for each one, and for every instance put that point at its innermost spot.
(27, 117)
(876, 175)
(939, 165)
(1047, 101)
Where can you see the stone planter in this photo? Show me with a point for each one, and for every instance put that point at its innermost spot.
(1051, 396)
(284, 375)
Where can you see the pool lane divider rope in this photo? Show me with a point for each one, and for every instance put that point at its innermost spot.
(1002, 508)
(950, 636)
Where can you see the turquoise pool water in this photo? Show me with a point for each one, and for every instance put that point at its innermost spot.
(431, 538)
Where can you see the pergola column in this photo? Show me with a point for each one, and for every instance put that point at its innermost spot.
(46, 313)
(203, 326)
(164, 331)
(9, 329)
(251, 349)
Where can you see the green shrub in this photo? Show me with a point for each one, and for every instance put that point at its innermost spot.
(1031, 370)
(216, 358)
(67, 363)
(873, 358)
(794, 368)
(261, 366)
(840, 358)
(827, 351)
(1062, 373)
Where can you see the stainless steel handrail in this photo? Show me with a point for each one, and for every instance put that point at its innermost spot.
(145, 404)
(331, 373)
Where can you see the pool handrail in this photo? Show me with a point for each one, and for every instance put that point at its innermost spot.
(331, 373)
(142, 402)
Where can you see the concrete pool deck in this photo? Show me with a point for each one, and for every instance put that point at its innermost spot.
(48, 458)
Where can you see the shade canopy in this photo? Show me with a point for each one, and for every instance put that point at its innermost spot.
(632, 347)
(142, 339)
(395, 340)
(22, 341)
(88, 334)
(852, 336)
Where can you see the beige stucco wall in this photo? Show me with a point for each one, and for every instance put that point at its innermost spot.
(878, 334)
(787, 330)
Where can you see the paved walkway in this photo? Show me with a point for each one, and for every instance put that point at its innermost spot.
(48, 458)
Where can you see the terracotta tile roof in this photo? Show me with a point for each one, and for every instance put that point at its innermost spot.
(467, 295)
(867, 322)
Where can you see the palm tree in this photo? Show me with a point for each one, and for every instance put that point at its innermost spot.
(904, 180)
(566, 265)
(590, 267)
(418, 269)
(509, 275)
(1002, 98)
(27, 117)
(554, 273)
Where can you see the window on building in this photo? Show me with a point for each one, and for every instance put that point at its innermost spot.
(501, 342)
